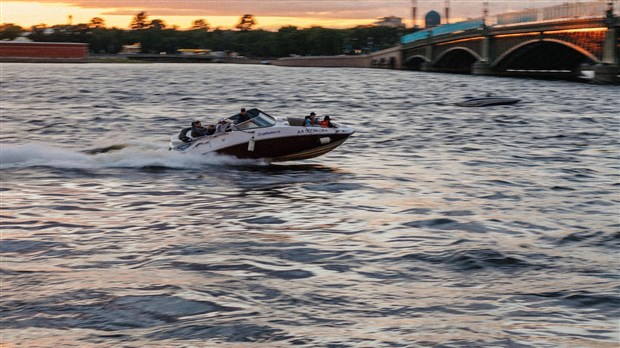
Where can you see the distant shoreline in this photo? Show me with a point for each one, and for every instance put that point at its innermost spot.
(125, 59)
(317, 62)
(387, 59)
(341, 61)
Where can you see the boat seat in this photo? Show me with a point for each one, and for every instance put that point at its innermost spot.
(295, 121)
(186, 135)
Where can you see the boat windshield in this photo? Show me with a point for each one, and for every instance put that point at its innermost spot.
(258, 119)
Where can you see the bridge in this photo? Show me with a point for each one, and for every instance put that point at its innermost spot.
(563, 41)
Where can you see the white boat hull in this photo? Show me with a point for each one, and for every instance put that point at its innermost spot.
(277, 143)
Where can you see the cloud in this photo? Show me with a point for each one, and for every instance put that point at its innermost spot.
(274, 8)
(329, 9)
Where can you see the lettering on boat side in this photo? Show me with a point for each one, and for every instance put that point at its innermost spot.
(268, 133)
(312, 131)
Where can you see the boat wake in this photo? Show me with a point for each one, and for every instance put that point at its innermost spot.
(105, 149)
(134, 154)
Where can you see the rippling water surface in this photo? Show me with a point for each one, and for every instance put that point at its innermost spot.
(433, 225)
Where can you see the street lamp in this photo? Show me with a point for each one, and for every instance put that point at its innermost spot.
(414, 7)
(609, 15)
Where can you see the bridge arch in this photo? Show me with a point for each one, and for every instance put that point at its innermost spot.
(457, 59)
(544, 54)
(415, 62)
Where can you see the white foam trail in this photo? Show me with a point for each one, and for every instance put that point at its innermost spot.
(134, 154)
(29, 155)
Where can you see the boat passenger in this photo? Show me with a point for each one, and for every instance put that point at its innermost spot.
(198, 130)
(311, 121)
(221, 126)
(210, 129)
(243, 116)
(326, 123)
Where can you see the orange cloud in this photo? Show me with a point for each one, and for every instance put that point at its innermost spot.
(271, 14)
(275, 8)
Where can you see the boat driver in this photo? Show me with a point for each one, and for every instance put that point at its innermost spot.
(243, 116)
(198, 130)
(311, 121)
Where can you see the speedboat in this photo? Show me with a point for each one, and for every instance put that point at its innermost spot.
(265, 137)
(489, 100)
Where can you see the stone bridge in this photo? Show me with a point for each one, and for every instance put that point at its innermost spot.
(555, 49)
(565, 41)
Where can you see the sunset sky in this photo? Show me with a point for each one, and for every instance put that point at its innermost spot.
(270, 14)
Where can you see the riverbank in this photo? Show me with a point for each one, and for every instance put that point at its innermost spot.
(132, 59)
(386, 59)
(389, 58)
(337, 61)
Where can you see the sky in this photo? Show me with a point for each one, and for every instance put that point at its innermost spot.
(269, 14)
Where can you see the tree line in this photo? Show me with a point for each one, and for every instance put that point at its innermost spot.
(156, 37)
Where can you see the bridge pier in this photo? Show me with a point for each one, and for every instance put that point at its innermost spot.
(481, 68)
(606, 73)
(426, 66)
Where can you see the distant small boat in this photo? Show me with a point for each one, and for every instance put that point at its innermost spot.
(489, 100)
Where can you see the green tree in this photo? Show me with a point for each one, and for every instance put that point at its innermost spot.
(196, 38)
(322, 41)
(157, 24)
(37, 32)
(287, 41)
(155, 37)
(372, 38)
(139, 21)
(10, 31)
(255, 43)
(246, 23)
(200, 24)
(96, 22)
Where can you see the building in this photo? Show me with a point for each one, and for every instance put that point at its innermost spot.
(432, 19)
(43, 50)
(131, 49)
(390, 21)
(193, 51)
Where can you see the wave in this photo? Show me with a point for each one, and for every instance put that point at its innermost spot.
(132, 154)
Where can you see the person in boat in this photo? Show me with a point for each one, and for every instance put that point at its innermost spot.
(222, 126)
(243, 116)
(311, 121)
(198, 130)
(326, 123)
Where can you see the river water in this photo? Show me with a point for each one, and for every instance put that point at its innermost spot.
(434, 225)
